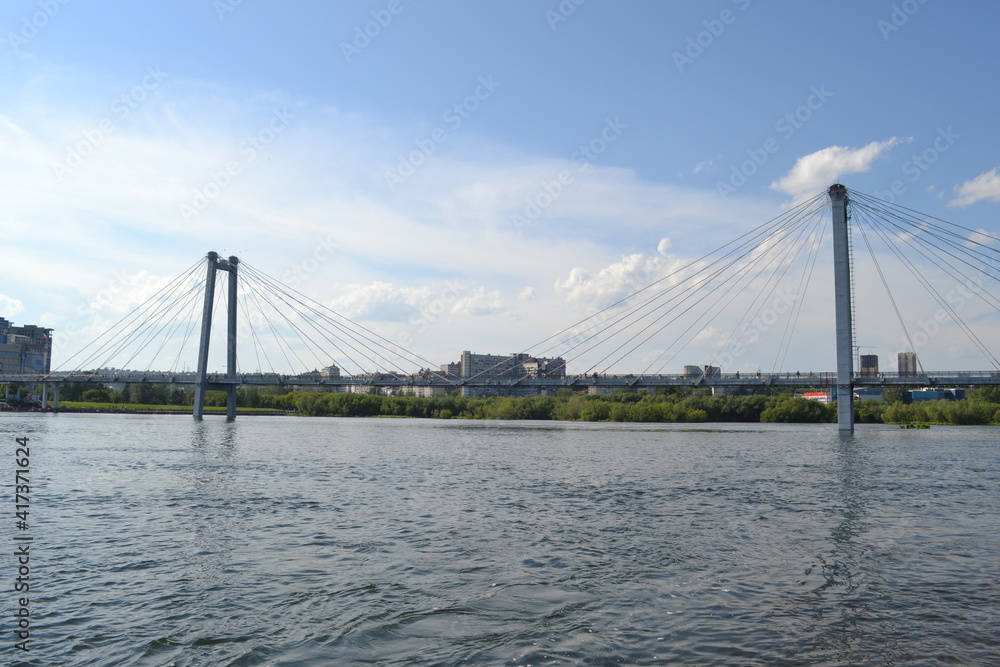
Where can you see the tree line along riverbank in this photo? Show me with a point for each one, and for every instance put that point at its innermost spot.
(981, 407)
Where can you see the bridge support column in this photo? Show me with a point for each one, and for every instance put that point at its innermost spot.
(45, 396)
(842, 300)
(202, 384)
(55, 396)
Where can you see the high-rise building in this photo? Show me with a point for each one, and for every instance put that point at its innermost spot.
(869, 365)
(907, 363)
(692, 372)
(453, 370)
(25, 350)
(512, 367)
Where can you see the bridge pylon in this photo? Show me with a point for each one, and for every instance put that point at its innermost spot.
(202, 384)
(842, 301)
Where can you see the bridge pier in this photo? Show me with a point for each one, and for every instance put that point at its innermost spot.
(202, 384)
(842, 301)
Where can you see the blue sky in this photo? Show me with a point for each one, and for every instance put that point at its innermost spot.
(386, 156)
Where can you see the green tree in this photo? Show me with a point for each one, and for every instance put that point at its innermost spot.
(893, 395)
(869, 412)
(986, 394)
(797, 411)
(99, 395)
(72, 391)
(181, 397)
(151, 393)
(248, 397)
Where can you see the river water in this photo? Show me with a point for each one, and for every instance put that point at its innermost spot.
(157, 540)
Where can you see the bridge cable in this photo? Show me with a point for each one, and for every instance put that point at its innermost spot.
(272, 288)
(863, 215)
(938, 298)
(325, 332)
(257, 344)
(192, 321)
(763, 294)
(804, 282)
(929, 229)
(778, 260)
(323, 312)
(942, 302)
(744, 272)
(696, 290)
(754, 237)
(117, 331)
(882, 204)
(173, 323)
(621, 316)
(257, 296)
(918, 239)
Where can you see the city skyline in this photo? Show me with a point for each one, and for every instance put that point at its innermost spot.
(482, 175)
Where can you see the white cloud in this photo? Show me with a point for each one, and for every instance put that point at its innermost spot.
(312, 210)
(380, 301)
(480, 302)
(980, 237)
(124, 292)
(617, 280)
(815, 172)
(9, 306)
(984, 186)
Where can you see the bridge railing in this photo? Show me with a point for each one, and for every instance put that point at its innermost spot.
(787, 378)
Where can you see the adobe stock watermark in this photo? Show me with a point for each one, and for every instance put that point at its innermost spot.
(783, 302)
(589, 329)
(616, 305)
(929, 328)
(224, 7)
(786, 126)
(120, 283)
(365, 34)
(900, 16)
(294, 276)
(697, 44)
(35, 23)
(453, 118)
(432, 311)
(248, 150)
(562, 12)
(121, 109)
(299, 272)
(550, 190)
(920, 163)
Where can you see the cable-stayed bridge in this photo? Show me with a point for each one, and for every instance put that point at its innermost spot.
(281, 328)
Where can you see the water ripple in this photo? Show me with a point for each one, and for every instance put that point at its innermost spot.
(276, 541)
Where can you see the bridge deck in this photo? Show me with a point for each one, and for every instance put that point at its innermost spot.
(821, 380)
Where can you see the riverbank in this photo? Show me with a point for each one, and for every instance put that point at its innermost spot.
(617, 407)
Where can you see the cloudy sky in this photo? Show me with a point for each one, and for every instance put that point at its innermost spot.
(468, 175)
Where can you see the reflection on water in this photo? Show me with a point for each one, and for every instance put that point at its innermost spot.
(400, 542)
